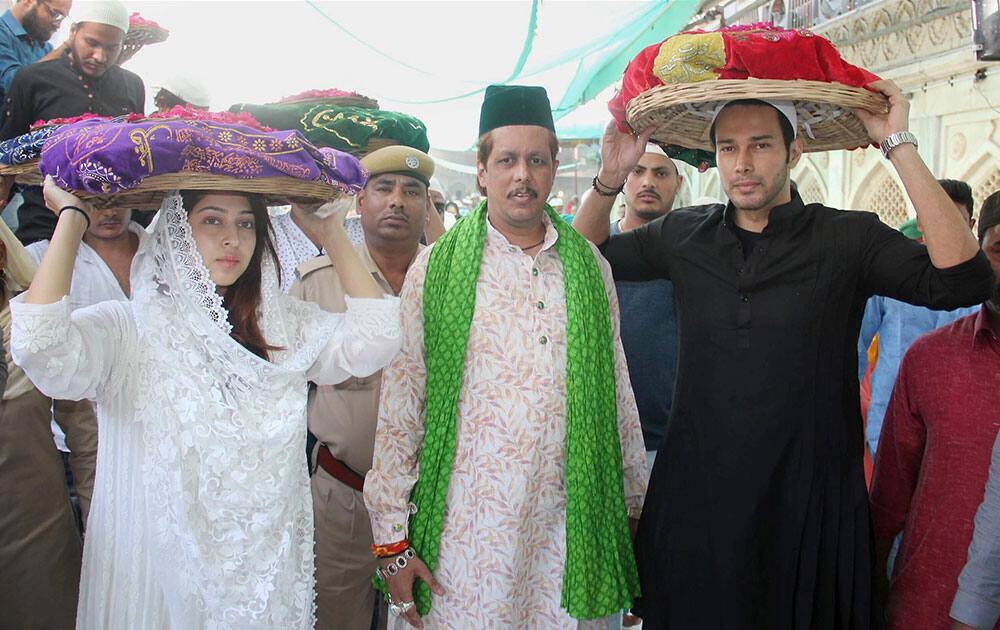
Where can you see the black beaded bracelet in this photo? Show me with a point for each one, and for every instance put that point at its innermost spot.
(80, 210)
(598, 185)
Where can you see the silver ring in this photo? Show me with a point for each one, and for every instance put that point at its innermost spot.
(400, 608)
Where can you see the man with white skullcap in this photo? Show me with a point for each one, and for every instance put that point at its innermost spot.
(182, 90)
(760, 470)
(85, 79)
(649, 323)
(648, 316)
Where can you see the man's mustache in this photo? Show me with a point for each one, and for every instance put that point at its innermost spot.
(520, 191)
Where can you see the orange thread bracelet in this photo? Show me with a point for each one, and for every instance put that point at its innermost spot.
(393, 549)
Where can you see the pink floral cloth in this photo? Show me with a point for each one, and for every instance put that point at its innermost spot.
(503, 541)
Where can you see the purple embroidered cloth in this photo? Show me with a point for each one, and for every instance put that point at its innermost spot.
(101, 157)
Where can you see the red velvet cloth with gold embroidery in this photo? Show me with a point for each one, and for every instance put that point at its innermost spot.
(759, 51)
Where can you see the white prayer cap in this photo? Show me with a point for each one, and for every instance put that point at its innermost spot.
(109, 12)
(188, 90)
(435, 186)
(785, 108)
(655, 148)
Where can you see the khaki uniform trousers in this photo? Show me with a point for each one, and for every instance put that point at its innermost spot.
(40, 547)
(79, 422)
(345, 599)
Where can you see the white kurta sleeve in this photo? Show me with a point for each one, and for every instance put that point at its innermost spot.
(400, 430)
(83, 355)
(366, 338)
(629, 427)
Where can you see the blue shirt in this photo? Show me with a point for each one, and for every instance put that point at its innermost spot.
(898, 325)
(649, 337)
(17, 49)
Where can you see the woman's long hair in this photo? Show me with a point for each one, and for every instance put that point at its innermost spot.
(242, 298)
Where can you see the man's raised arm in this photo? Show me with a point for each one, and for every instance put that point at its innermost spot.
(620, 152)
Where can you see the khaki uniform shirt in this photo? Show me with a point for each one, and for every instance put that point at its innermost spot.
(342, 416)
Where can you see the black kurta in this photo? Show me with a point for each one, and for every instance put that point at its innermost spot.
(757, 512)
(58, 89)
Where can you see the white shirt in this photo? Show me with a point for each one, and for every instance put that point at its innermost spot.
(93, 282)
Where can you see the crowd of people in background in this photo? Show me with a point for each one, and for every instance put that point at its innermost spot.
(524, 410)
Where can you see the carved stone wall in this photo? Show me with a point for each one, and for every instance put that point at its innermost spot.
(888, 35)
(810, 188)
(880, 193)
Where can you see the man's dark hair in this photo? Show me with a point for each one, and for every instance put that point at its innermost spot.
(960, 192)
(167, 99)
(989, 215)
(787, 133)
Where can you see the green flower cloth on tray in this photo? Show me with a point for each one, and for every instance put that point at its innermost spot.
(356, 130)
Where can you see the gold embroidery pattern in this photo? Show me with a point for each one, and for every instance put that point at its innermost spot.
(324, 117)
(96, 152)
(690, 58)
(141, 138)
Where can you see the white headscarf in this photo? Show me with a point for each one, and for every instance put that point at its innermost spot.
(232, 525)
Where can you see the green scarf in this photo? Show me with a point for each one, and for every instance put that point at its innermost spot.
(599, 576)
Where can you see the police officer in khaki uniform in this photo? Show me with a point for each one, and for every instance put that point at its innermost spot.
(394, 208)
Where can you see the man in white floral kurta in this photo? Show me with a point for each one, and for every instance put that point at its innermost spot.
(500, 561)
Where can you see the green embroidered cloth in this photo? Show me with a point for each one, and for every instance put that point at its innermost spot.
(349, 129)
(600, 576)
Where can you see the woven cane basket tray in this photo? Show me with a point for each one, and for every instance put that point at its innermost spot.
(149, 194)
(26, 173)
(682, 113)
(276, 190)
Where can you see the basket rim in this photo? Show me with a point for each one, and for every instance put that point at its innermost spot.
(274, 186)
(794, 90)
(277, 187)
(665, 98)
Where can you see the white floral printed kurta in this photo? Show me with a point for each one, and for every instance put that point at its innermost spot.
(503, 541)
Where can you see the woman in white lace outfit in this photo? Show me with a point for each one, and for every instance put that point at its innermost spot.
(201, 514)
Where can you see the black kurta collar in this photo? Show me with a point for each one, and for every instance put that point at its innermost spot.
(779, 217)
(82, 77)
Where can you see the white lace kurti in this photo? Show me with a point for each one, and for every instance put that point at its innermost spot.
(503, 541)
(100, 354)
(201, 516)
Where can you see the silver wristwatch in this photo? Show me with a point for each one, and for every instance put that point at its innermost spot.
(893, 140)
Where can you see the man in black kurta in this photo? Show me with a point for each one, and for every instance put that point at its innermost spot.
(757, 512)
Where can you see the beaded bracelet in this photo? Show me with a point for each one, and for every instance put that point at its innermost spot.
(597, 185)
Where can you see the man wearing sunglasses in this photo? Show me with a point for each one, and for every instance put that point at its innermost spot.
(25, 31)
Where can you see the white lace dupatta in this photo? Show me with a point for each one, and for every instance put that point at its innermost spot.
(230, 518)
